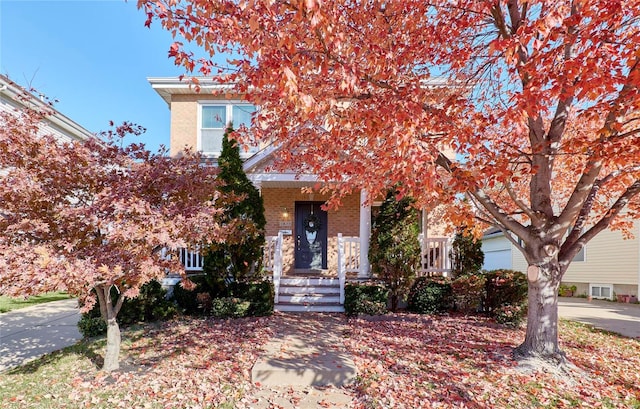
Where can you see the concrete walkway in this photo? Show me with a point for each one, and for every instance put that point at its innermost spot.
(621, 318)
(29, 333)
(305, 365)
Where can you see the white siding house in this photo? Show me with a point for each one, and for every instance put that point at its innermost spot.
(608, 266)
(12, 97)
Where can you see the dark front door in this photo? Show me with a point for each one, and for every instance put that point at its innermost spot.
(311, 236)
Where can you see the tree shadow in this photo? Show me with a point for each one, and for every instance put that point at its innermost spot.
(86, 348)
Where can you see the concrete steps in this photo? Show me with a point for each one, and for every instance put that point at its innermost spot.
(309, 294)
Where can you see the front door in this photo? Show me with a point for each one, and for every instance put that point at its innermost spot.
(311, 236)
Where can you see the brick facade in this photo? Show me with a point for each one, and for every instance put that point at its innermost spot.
(345, 220)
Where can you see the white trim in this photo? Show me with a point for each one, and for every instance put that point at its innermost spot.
(228, 104)
(10, 91)
(282, 177)
(609, 286)
(259, 157)
(365, 235)
(584, 257)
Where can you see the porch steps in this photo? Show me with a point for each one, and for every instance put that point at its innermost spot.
(309, 294)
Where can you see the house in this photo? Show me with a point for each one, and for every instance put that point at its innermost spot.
(310, 252)
(607, 267)
(13, 96)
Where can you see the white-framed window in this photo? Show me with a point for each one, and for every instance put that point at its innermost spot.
(601, 290)
(213, 118)
(581, 256)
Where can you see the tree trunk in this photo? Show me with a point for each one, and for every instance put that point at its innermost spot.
(112, 354)
(394, 302)
(109, 313)
(541, 340)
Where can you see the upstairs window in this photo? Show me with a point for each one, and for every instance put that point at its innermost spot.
(214, 118)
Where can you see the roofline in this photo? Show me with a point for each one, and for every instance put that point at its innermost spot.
(166, 86)
(11, 91)
(492, 232)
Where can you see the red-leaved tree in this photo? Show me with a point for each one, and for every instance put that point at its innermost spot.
(539, 99)
(85, 217)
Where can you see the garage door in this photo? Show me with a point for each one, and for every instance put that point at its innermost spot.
(496, 259)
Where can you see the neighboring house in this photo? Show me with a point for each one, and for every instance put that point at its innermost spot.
(13, 97)
(309, 267)
(607, 267)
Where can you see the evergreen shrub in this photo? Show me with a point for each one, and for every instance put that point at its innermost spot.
(368, 299)
(150, 305)
(504, 287)
(430, 295)
(229, 307)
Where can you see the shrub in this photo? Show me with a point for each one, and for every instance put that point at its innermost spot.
(395, 250)
(259, 294)
(466, 254)
(365, 299)
(92, 326)
(187, 300)
(430, 296)
(469, 291)
(150, 305)
(229, 307)
(239, 260)
(510, 315)
(504, 287)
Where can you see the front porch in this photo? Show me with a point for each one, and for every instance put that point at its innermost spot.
(323, 289)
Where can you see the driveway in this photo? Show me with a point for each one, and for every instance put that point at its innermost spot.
(31, 332)
(616, 317)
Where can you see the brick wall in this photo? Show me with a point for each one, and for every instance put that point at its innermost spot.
(345, 220)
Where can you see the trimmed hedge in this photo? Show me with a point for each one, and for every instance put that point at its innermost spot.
(260, 296)
(187, 300)
(91, 326)
(469, 291)
(368, 299)
(229, 307)
(504, 287)
(150, 305)
(430, 295)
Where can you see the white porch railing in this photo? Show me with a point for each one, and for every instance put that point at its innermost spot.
(348, 259)
(191, 259)
(272, 260)
(435, 255)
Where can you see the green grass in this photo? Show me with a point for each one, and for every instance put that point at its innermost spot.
(9, 304)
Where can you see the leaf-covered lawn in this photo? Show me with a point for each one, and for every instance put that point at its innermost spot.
(190, 363)
(455, 361)
(404, 361)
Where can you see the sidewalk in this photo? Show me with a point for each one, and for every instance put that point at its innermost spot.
(621, 318)
(31, 332)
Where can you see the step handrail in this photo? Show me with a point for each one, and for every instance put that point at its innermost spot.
(277, 267)
(342, 270)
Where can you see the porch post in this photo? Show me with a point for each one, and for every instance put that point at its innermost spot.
(365, 234)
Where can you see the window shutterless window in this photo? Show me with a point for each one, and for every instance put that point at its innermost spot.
(214, 118)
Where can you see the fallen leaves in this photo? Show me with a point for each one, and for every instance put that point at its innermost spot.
(404, 361)
(460, 361)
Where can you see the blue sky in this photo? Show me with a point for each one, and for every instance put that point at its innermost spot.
(92, 56)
